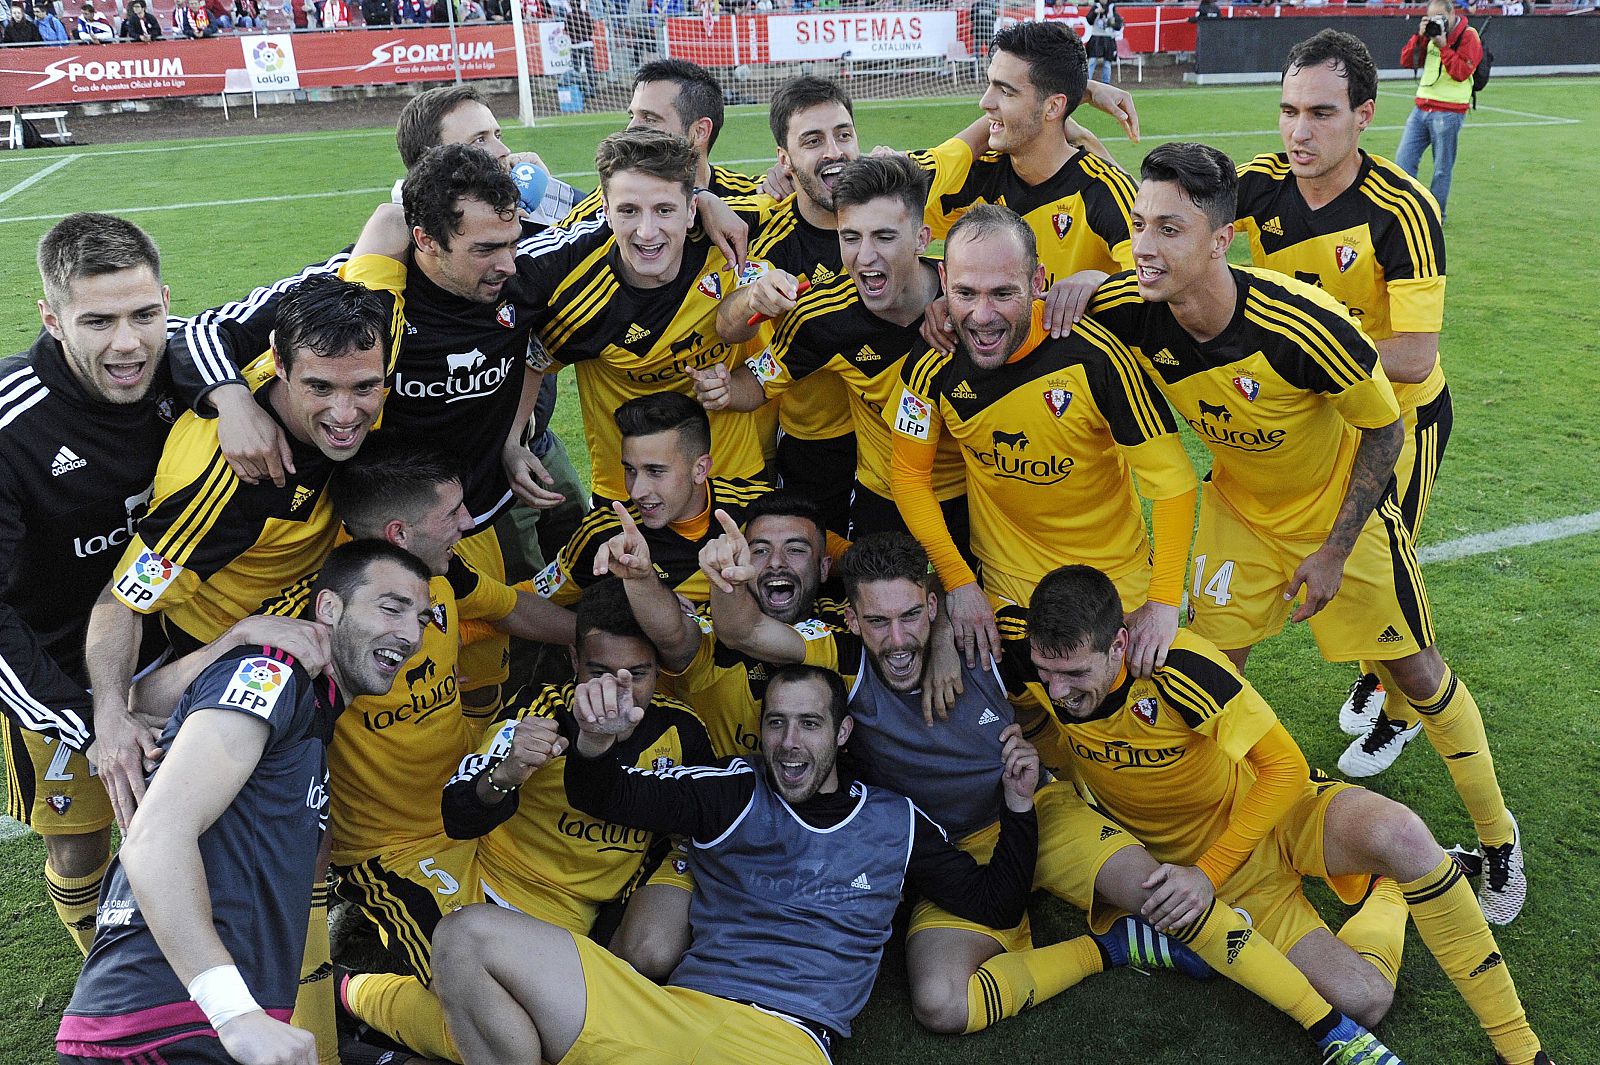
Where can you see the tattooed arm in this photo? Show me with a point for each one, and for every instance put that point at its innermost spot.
(1322, 571)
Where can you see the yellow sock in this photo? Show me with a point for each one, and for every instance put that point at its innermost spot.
(1452, 925)
(1454, 726)
(1230, 946)
(76, 898)
(1377, 932)
(313, 1004)
(1396, 706)
(404, 1010)
(1007, 984)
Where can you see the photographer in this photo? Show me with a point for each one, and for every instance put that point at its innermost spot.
(1104, 25)
(1447, 51)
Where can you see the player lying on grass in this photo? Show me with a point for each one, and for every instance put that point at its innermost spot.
(1193, 762)
(798, 874)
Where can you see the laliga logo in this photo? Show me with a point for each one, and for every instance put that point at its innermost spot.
(268, 56)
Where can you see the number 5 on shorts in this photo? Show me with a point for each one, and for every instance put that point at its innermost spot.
(1217, 586)
(449, 883)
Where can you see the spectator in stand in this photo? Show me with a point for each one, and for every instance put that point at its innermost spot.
(1447, 51)
(92, 27)
(335, 15)
(21, 30)
(472, 11)
(1104, 25)
(247, 15)
(221, 13)
(376, 12)
(411, 10)
(51, 29)
(191, 20)
(140, 24)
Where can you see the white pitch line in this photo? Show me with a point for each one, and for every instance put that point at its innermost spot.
(206, 203)
(11, 829)
(1537, 532)
(33, 179)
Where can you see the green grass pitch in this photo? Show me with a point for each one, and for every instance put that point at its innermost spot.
(1520, 349)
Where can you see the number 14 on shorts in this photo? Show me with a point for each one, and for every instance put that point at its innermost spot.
(1217, 586)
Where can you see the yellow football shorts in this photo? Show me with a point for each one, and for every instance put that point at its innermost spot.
(50, 787)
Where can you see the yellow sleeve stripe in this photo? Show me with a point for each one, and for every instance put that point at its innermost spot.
(728, 491)
(1268, 164)
(1116, 293)
(575, 315)
(1185, 693)
(599, 524)
(217, 486)
(1132, 375)
(1119, 184)
(292, 603)
(815, 304)
(1413, 222)
(583, 274)
(587, 208)
(734, 181)
(776, 231)
(1312, 336)
(927, 367)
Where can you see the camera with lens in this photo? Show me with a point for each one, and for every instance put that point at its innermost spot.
(1434, 25)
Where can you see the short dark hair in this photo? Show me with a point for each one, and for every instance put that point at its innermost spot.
(661, 412)
(89, 244)
(390, 477)
(987, 219)
(1072, 606)
(873, 177)
(799, 94)
(699, 94)
(650, 151)
(786, 503)
(330, 317)
(1350, 57)
(450, 173)
(421, 124)
(1055, 56)
(345, 570)
(799, 673)
(604, 607)
(883, 556)
(1206, 175)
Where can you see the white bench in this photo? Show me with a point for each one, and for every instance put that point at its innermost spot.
(11, 128)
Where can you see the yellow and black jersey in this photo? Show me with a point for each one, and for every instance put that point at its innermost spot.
(1378, 247)
(830, 331)
(674, 550)
(627, 342)
(390, 748)
(1081, 214)
(1050, 442)
(1278, 397)
(725, 687)
(535, 848)
(1165, 757)
(724, 183)
(817, 408)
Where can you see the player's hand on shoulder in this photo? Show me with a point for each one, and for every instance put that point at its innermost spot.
(253, 444)
(972, 622)
(938, 331)
(724, 228)
(1118, 103)
(779, 183)
(1020, 778)
(1151, 630)
(310, 642)
(1178, 895)
(726, 560)
(256, 1039)
(627, 554)
(941, 680)
(1069, 298)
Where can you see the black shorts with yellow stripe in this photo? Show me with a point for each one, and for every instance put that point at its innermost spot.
(1427, 434)
(406, 892)
(50, 787)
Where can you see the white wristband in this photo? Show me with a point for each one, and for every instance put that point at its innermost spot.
(221, 995)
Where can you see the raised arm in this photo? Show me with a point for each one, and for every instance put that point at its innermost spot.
(739, 622)
(627, 555)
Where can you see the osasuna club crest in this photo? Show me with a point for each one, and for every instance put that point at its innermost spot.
(1345, 256)
(1145, 710)
(711, 285)
(441, 617)
(1058, 400)
(1062, 222)
(506, 315)
(1248, 387)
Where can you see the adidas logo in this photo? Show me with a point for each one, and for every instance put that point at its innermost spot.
(635, 333)
(1164, 357)
(822, 275)
(301, 494)
(1389, 635)
(866, 354)
(963, 391)
(1236, 941)
(1107, 831)
(988, 717)
(65, 462)
(317, 975)
(861, 883)
(1273, 226)
(1488, 963)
